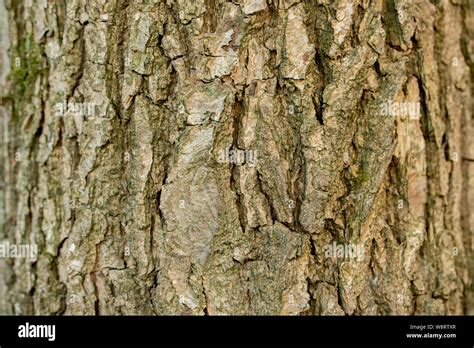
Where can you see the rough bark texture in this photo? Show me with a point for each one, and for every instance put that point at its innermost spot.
(139, 205)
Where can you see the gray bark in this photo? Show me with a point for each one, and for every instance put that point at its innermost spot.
(248, 157)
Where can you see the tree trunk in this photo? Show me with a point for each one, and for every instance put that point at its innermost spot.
(248, 157)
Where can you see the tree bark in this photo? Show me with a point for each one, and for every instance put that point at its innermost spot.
(248, 157)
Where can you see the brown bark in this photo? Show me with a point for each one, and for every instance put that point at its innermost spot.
(245, 157)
